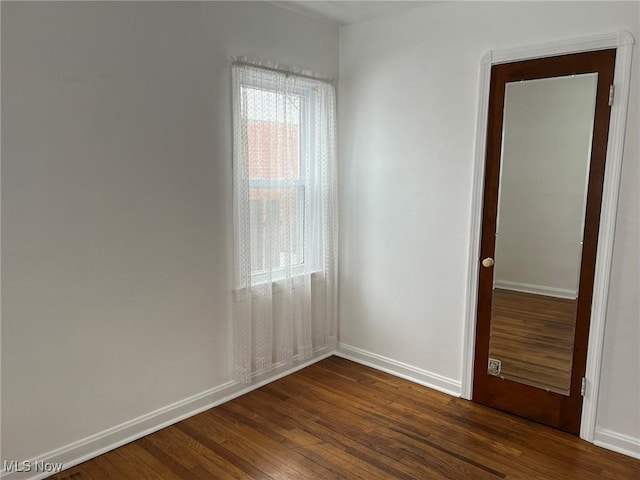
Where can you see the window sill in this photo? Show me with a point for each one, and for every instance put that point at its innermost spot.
(261, 283)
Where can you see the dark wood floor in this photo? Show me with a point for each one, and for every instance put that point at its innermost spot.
(337, 419)
(533, 337)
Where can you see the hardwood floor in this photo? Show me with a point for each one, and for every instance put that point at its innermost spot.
(340, 420)
(533, 337)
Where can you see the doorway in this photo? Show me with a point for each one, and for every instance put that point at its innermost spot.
(546, 148)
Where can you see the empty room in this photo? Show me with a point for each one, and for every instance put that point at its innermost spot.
(320, 240)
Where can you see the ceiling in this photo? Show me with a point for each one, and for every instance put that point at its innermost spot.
(346, 12)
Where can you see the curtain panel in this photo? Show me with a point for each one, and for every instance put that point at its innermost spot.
(285, 217)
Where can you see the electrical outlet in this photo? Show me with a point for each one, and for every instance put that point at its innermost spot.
(495, 366)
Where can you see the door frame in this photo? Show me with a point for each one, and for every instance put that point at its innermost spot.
(623, 42)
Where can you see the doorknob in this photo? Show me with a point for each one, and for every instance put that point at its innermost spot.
(487, 262)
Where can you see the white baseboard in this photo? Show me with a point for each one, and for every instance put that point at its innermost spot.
(617, 442)
(535, 289)
(102, 442)
(399, 369)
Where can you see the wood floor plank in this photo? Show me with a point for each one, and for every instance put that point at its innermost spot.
(269, 456)
(396, 447)
(177, 468)
(341, 420)
(212, 422)
(155, 467)
(182, 448)
(358, 443)
(222, 451)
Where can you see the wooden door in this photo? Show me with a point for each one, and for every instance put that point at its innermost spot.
(541, 337)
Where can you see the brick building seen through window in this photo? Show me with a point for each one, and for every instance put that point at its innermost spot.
(276, 191)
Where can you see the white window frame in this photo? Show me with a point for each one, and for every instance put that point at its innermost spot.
(306, 148)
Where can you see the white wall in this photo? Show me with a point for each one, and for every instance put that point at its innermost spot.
(408, 101)
(546, 149)
(116, 197)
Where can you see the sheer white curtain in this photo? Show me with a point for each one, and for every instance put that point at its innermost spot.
(285, 217)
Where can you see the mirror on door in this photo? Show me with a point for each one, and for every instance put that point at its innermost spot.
(544, 169)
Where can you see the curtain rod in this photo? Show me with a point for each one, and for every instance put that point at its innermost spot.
(283, 71)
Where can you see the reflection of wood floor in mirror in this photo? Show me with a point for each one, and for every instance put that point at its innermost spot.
(533, 337)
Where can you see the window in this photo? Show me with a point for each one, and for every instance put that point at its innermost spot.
(285, 218)
(275, 130)
(284, 156)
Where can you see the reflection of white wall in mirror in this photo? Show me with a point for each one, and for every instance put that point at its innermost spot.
(546, 149)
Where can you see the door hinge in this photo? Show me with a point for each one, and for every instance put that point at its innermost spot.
(611, 94)
(583, 387)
